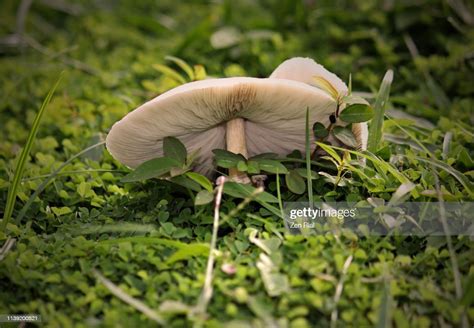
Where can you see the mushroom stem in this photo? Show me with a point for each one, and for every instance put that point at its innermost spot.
(235, 142)
(235, 136)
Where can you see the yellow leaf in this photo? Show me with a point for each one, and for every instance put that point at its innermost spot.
(326, 86)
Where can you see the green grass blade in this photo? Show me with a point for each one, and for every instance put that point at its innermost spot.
(75, 172)
(280, 202)
(411, 136)
(20, 166)
(308, 161)
(375, 130)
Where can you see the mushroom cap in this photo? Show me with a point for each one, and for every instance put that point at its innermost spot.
(274, 111)
(304, 70)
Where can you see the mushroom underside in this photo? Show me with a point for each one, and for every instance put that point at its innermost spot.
(258, 139)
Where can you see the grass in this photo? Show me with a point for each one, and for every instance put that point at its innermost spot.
(83, 247)
(375, 131)
(308, 160)
(20, 166)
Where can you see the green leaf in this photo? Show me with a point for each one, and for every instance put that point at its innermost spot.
(319, 130)
(59, 211)
(83, 189)
(271, 166)
(150, 169)
(464, 158)
(375, 130)
(253, 167)
(264, 156)
(168, 228)
(353, 99)
(175, 171)
(239, 190)
(226, 159)
(174, 148)
(345, 135)
(201, 179)
(242, 166)
(303, 173)
(295, 182)
(384, 153)
(357, 113)
(186, 182)
(203, 197)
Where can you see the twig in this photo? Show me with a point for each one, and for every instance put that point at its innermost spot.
(412, 48)
(65, 60)
(64, 6)
(206, 293)
(338, 293)
(463, 11)
(133, 302)
(21, 17)
(6, 247)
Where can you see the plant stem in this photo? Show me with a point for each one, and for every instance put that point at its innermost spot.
(308, 161)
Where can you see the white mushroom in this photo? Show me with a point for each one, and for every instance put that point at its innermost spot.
(243, 115)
